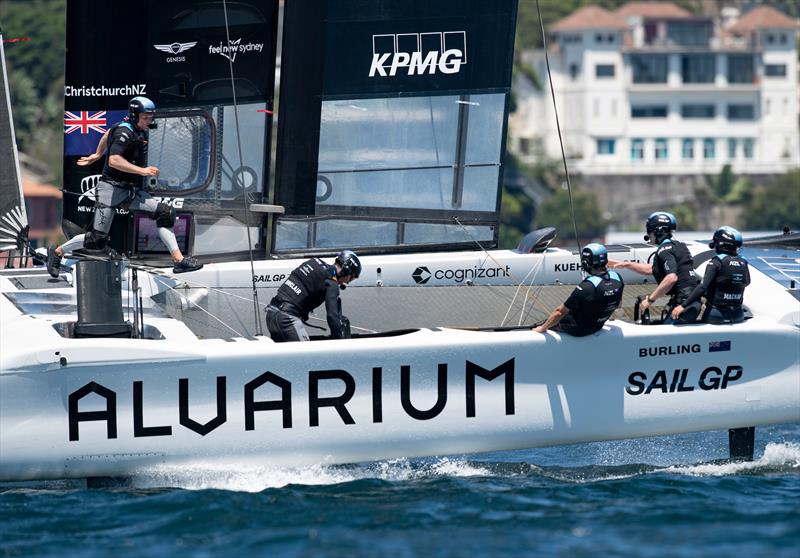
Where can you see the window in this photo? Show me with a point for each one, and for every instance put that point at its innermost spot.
(698, 111)
(732, 148)
(783, 38)
(604, 70)
(637, 149)
(688, 149)
(741, 68)
(649, 111)
(689, 33)
(662, 153)
(708, 148)
(598, 38)
(698, 68)
(775, 70)
(770, 38)
(573, 71)
(525, 146)
(610, 38)
(741, 112)
(748, 146)
(649, 68)
(606, 146)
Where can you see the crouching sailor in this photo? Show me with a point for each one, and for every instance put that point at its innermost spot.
(593, 300)
(307, 287)
(122, 185)
(724, 282)
(672, 267)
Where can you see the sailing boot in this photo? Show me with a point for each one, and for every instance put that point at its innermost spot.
(53, 262)
(187, 264)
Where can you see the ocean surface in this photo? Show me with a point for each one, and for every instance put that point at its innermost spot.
(670, 496)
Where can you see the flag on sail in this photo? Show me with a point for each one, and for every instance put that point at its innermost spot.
(84, 128)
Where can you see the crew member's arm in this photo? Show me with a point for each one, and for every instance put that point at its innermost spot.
(670, 265)
(552, 319)
(332, 309)
(120, 143)
(118, 162)
(708, 278)
(101, 149)
(640, 268)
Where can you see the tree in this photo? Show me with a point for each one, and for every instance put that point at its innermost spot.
(776, 205)
(555, 212)
(686, 215)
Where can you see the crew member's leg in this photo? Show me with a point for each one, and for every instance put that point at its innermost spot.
(164, 216)
(285, 327)
(109, 197)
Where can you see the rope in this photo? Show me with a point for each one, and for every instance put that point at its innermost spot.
(241, 166)
(558, 127)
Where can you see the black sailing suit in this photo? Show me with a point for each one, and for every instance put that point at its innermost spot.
(592, 303)
(306, 288)
(673, 256)
(723, 285)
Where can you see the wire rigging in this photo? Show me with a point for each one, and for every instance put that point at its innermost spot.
(256, 314)
(558, 127)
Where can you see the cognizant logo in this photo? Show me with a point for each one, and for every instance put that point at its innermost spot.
(422, 274)
(418, 53)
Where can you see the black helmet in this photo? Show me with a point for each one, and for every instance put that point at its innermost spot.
(660, 226)
(594, 256)
(349, 262)
(727, 240)
(137, 106)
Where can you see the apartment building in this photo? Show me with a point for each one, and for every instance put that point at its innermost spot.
(651, 89)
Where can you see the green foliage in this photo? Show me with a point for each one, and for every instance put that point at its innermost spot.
(776, 205)
(555, 212)
(36, 75)
(724, 182)
(686, 215)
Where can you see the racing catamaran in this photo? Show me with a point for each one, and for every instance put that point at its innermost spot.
(120, 366)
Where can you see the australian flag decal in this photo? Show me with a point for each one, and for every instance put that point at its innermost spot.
(718, 346)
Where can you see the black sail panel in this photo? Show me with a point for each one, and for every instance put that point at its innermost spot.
(178, 54)
(393, 119)
(13, 218)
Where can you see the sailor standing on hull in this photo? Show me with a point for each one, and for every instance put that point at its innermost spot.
(593, 301)
(724, 281)
(307, 287)
(121, 185)
(672, 267)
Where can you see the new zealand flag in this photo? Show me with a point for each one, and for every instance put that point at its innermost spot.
(83, 129)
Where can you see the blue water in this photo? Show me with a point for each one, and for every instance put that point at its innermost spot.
(632, 498)
(669, 496)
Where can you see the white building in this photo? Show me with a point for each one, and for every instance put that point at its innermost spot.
(652, 90)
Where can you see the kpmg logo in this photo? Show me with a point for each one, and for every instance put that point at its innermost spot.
(174, 49)
(418, 53)
(235, 47)
(421, 275)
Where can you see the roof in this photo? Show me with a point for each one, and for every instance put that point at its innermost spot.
(651, 9)
(32, 189)
(589, 17)
(763, 17)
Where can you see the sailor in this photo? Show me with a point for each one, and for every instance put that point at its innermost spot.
(723, 284)
(672, 267)
(307, 287)
(123, 185)
(593, 301)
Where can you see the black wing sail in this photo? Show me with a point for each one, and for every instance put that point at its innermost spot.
(13, 218)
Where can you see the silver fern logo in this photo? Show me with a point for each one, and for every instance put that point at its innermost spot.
(11, 225)
(89, 188)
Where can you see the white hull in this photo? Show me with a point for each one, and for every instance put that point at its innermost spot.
(549, 389)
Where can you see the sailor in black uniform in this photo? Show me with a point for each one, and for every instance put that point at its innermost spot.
(724, 281)
(122, 185)
(307, 287)
(593, 300)
(672, 267)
